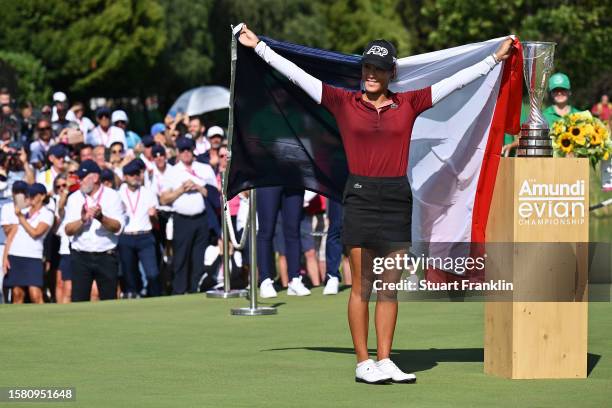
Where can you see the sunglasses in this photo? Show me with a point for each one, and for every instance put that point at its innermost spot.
(44, 128)
(117, 151)
(186, 149)
(60, 186)
(123, 122)
(104, 115)
(223, 156)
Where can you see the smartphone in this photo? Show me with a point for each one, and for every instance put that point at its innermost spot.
(20, 201)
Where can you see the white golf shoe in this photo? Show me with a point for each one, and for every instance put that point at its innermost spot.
(368, 372)
(266, 289)
(331, 287)
(397, 376)
(297, 288)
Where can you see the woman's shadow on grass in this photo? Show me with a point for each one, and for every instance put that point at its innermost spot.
(426, 359)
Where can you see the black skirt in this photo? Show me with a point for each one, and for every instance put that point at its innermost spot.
(24, 272)
(377, 211)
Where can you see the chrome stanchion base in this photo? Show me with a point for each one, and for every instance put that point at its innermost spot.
(258, 311)
(221, 294)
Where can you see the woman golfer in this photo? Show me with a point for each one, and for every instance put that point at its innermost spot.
(376, 126)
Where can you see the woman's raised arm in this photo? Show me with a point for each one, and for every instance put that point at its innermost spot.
(311, 85)
(443, 88)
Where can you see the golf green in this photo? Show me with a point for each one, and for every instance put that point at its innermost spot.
(188, 351)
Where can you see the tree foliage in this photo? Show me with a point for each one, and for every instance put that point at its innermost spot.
(25, 76)
(87, 46)
(138, 47)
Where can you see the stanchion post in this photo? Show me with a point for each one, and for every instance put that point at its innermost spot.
(253, 310)
(227, 292)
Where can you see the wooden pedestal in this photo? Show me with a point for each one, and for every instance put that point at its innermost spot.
(539, 201)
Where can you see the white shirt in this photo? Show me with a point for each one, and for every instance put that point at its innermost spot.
(150, 166)
(157, 185)
(23, 244)
(113, 134)
(85, 124)
(47, 178)
(7, 214)
(65, 240)
(201, 146)
(137, 205)
(93, 237)
(191, 202)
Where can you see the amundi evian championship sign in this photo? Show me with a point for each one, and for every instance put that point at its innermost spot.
(551, 204)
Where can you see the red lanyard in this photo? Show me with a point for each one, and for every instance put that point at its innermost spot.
(135, 206)
(97, 201)
(190, 171)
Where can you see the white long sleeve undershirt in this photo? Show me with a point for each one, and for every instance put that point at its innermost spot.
(314, 87)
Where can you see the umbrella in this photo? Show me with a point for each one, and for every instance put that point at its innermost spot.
(201, 100)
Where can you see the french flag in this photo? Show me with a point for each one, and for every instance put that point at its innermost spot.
(282, 137)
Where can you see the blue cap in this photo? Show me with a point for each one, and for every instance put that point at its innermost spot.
(148, 141)
(184, 143)
(88, 167)
(158, 128)
(36, 188)
(132, 168)
(107, 175)
(19, 186)
(158, 150)
(140, 163)
(57, 150)
(103, 110)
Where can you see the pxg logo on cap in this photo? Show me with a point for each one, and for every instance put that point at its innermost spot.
(378, 50)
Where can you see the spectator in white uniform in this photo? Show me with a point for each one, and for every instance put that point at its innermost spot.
(105, 134)
(94, 219)
(185, 188)
(23, 260)
(137, 243)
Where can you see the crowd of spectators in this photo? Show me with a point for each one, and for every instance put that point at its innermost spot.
(92, 210)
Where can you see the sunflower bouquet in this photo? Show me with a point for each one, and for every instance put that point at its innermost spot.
(581, 135)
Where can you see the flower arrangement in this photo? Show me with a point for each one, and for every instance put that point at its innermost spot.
(581, 135)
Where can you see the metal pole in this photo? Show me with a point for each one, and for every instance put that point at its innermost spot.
(227, 292)
(253, 310)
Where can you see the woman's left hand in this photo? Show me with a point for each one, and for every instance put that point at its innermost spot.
(505, 49)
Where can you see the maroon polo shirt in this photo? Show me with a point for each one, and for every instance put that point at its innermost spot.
(376, 143)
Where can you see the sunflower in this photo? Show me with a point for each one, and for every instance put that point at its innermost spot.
(558, 127)
(565, 142)
(602, 131)
(578, 134)
(596, 139)
(580, 139)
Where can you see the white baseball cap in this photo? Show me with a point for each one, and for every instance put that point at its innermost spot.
(215, 130)
(59, 97)
(119, 115)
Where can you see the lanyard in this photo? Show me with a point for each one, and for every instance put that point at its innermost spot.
(97, 201)
(104, 137)
(32, 217)
(135, 206)
(193, 173)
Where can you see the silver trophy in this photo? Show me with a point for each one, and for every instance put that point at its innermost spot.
(534, 140)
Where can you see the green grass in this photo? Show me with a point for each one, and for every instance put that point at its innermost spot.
(188, 351)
